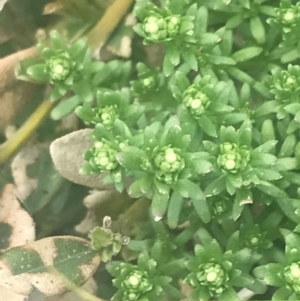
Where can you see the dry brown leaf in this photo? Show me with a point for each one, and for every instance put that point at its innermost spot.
(18, 221)
(67, 155)
(14, 94)
(27, 156)
(29, 266)
(8, 295)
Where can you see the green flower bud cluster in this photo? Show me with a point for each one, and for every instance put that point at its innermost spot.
(106, 115)
(288, 16)
(210, 275)
(60, 67)
(233, 158)
(253, 238)
(292, 276)
(104, 156)
(169, 163)
(285, 84)
(148, 80)
(195, 100)
(157, 28)
(135, 285)
(219, 205)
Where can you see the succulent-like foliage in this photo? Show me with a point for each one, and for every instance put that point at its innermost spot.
(198, 131)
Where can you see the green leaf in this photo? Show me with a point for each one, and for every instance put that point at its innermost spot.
(202, 166)
(84, 91)
(168, 67)
(268, 131)
(262, 159)
(228, 134)
(285, 164)
(130, 158)
(65, 107)
(38, 72)
(247, 54)
(282, 293)
(240, 75)
(182, 81)
(190, 59)
(159, 205)
(271, 190)
(229, 295)
(288, 146)
(201, 20)
(231, 189)
(292, 108)
(188, 189)
(288, 208)
(270, 273)
(245, 134)
(57, 40)
(267, 174)
(235, 21)
(207, 126)
(234, 118)
(266, 147)
(220, 60)
(258, 30)
(140, 187)
(208, 39)
(202, 209)
(173, 54)
(174, 209)
(216, 187)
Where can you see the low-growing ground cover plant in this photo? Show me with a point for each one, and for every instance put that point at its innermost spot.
(191, 141)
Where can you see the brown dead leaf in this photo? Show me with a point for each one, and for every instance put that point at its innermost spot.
(67, 155)
(27, 156)
(30, 266)
(14, 94)
(8, 295)
(17, 224)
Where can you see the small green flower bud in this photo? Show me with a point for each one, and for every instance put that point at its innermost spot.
(106, 115)
(292, 276)
(104, 156)
(195, 101)
(155, 28)
(219, 205)
(60, 67)
(169, 164)
(288, 16)
(137, 281)
(213, 276)
(232, 158)
(173, 25)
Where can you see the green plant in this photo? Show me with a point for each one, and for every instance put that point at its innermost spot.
(205, 143)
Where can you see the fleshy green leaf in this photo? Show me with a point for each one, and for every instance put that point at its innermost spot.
(174, 209)
(247, 54)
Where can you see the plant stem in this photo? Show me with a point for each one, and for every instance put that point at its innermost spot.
(113, 15)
